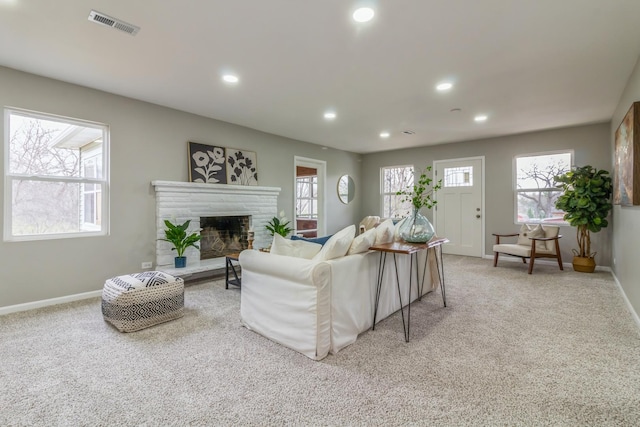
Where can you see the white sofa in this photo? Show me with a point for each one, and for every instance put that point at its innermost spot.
(316, 307)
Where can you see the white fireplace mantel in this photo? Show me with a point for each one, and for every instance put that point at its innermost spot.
(182, 201)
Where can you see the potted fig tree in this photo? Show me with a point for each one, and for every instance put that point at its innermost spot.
(177, 235)
(586, 201)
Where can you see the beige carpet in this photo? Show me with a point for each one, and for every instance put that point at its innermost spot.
(553, 348)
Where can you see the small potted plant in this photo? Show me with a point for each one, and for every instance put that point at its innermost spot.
(586, 202)
(416, 228)
(279, 225)
(177, 235)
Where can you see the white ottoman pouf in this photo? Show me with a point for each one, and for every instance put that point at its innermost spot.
(137, 301)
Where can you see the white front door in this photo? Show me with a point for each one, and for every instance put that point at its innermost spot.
(459, 212)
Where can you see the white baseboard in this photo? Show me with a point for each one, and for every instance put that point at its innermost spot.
(47, 302)
(632, 311)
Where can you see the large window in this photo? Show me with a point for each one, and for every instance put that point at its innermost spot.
(536, 191)
(56, 180)
(307, 197)
(392, 180)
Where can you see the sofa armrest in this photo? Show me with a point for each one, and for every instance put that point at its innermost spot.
(300, 270)
(498, 236)
(287, 300)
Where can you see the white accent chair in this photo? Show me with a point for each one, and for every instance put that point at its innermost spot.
(367, 223)
(539, 241)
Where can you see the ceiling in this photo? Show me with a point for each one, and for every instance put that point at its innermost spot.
(527, 65)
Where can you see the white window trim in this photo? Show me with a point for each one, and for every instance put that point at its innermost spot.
(9, 178)
(516, 190)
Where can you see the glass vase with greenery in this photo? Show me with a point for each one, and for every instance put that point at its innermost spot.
(416, 228)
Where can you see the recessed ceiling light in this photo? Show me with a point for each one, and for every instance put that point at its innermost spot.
(444, 86)
(384, 134)
(480, 118)
(329, 115)
(364, 14)
(230, 78)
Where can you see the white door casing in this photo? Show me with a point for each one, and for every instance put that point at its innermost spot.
(459, 213)
(321, 167)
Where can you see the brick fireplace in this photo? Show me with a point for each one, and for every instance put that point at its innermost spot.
(181, 201)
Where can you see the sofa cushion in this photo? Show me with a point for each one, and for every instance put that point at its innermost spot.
(385, 232)
(338, 245)
(321, 240)
(294, 248)
(363, 242)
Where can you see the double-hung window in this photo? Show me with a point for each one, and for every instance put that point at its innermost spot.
(392, 180)
(535, 188)
(307, 197)
(56, 177)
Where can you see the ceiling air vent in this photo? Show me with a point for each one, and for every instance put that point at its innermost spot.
(102, 19)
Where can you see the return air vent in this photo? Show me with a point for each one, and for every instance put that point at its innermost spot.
(102, 19)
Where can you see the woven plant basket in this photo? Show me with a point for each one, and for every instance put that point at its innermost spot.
(584, 264)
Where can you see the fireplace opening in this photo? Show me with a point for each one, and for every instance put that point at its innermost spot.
(223, 235)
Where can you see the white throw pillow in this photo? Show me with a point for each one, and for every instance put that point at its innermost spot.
(338, 245)
(527, 231)
(294, 248)
(385, 232)
(363, 242)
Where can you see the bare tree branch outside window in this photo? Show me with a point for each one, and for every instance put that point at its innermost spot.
(51, 181)
(394, 179)
(535, 187)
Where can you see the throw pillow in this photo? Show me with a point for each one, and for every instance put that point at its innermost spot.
(385, 232)
(321, 240)
(338, 245)
(363, 242)
(294, 248)
(527, 231)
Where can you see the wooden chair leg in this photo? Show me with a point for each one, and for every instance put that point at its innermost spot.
(531, 264)
(495, 259)
(559, 255)
(524, 260)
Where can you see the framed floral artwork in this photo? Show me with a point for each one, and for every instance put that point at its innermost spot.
(242, 167)
(207, 164)
(626, 177)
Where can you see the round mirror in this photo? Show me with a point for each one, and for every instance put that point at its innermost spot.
(346, 189)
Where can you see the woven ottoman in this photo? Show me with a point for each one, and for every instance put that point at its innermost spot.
(137, 301)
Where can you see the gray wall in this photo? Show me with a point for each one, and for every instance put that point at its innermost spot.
(148, 142)
(590, 144)
(626, 220)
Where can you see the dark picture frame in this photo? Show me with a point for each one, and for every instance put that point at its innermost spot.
(207, 163)
(626, 177)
